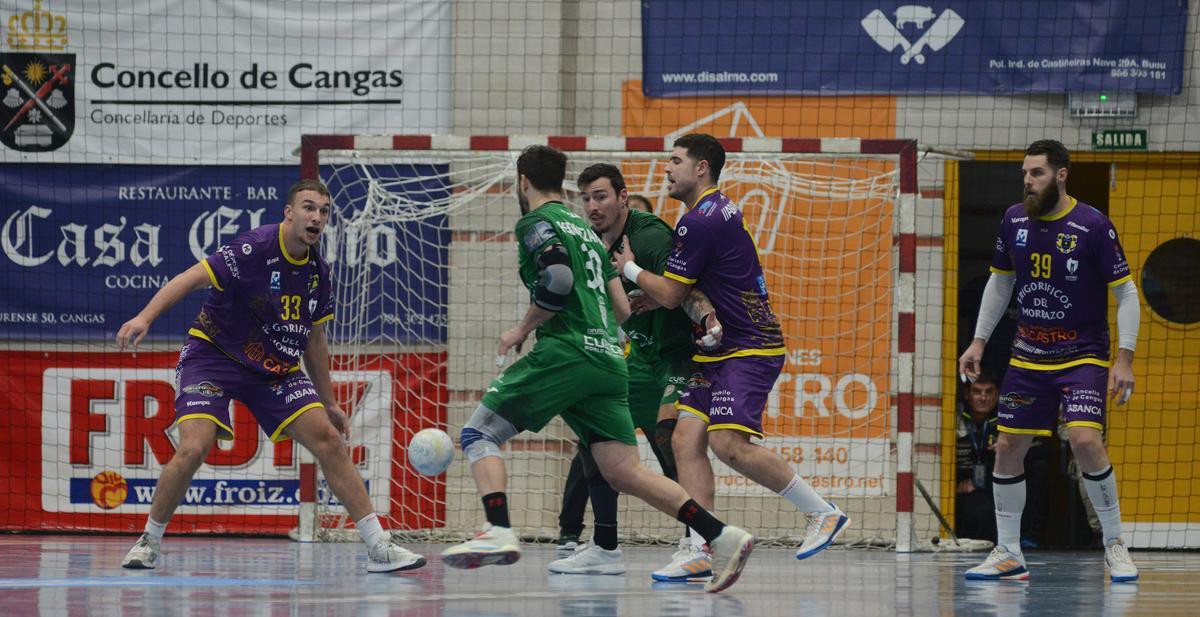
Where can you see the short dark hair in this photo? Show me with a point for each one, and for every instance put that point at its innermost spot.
(601, 170)
(649, 207)
(545, 167)
(308, 184)
(1056, 154)
(704, 147)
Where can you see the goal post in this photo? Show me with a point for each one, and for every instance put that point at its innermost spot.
(423, 259)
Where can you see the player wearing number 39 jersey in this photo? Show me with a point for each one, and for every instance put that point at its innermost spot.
(1060, 257)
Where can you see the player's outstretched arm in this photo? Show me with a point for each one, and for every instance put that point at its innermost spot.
(515, 336)
(667, 292)
(1129, 315)
(133, 331)
(316, 365)
(996, 294)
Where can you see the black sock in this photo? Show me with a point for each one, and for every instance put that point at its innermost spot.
(605, 536)
(604, 509)
(495, 506)
(707, 525)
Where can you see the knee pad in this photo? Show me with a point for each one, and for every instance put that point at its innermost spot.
(484, 433)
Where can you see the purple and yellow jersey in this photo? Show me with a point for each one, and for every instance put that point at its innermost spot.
(715, 252)
(1063, 267)
(264, 302)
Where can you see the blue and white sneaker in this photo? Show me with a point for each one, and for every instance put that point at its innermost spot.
(493, 546)
(689, 563)
(1001, 564)
(1120, 564)
(823, 528)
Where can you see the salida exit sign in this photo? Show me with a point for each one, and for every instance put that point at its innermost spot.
(1130, 139)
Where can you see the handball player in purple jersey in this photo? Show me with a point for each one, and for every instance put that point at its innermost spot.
(723, 405)
(1060, 256)
(266, 313)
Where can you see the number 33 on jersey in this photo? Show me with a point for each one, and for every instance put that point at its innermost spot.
(586, 321)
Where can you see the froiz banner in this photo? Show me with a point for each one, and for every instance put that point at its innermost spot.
(705, 47)
(84, 247)
(203, 81)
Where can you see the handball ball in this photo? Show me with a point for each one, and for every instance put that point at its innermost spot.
(430, 452)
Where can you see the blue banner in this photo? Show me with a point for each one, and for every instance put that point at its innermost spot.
(83, 248)
(827, 47)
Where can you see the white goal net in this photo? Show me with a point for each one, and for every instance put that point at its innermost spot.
(424, 268)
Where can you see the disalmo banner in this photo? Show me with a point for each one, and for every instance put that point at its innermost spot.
(824, 47)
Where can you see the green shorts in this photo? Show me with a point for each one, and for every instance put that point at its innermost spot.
(653, 385)
(552, 381)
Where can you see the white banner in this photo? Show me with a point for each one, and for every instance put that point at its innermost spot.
(208, 82)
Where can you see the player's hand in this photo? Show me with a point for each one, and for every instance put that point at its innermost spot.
(712, 333)
(512, 338)
(641, 302)
(968, 363)
(132, 332)
(1120, 378)
(623, 256)
(966, 486)
(338, 419)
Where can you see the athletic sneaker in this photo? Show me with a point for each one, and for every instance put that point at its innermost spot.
(823, 528)
(1001, 564)
(1120, 564)
(567, 545)
(387, 556)
(144, 554)
(730, 552)
(688, 563)
(589, 559)
(492, 546)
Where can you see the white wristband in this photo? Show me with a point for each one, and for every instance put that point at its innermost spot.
(631, 271)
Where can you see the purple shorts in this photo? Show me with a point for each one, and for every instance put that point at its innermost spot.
(732, 394)
(206, 380)
(1030, 400)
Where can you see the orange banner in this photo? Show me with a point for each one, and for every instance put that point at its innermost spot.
(824, 231)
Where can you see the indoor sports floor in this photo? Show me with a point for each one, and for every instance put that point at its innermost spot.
(227, 577)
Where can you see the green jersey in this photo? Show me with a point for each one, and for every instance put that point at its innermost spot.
(586, 324)
(659, 335)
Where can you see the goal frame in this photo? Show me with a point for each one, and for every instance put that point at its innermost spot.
(904, 151)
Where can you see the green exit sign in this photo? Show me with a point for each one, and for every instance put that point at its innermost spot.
(1131, 139)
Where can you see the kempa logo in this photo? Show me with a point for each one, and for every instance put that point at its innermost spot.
(37, 106)
(886, 33)
(1072, 268)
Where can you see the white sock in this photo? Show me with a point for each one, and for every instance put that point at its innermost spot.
(155, 529)
(804, 497)
(370, 529)
(1102, 492)
(698, 540)
(1008, 493)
